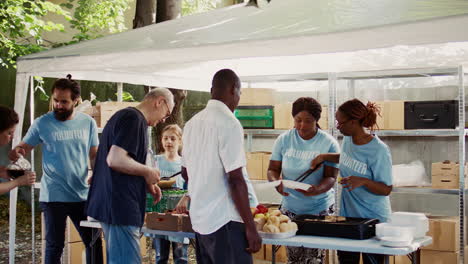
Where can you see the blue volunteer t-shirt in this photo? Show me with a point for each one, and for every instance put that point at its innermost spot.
(117, 198)
(373, 161)
(296, 155)
(168, 168)
(65, 154)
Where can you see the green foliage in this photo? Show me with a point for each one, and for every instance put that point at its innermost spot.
(127, 97)
(196, 6)
(40, 88)
(22, 25)
(92, 18)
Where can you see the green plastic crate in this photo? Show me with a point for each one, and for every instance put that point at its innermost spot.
(243, 112)
(255, 116)
(251, 123)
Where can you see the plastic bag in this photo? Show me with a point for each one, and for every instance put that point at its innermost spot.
(411, 174)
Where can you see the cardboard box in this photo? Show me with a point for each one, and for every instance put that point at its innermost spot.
(323, 122)
(446, 182)
(168, 222)
(72, 233)
(260, 254)
(446, 168)
(280, 256)
(283, 116)
(445, 175)
(445, 233)
(186, 224)
(105, 110)
(284, 119)
(265, 165)
(254, 165)
(257, 164)
(257, 96)
(392, 115)
(441, 257)
(76, 253)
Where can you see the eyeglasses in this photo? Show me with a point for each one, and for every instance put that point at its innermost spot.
(168, 113)
(339, 124)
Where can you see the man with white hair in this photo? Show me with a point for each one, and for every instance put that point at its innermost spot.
(117, 194)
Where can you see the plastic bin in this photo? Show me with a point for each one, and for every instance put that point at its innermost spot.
(255, 116)
(353, 228)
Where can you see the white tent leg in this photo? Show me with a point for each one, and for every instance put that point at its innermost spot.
(20, 103)
(31, 118)
(119, 92)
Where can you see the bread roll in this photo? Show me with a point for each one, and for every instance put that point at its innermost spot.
(284, 227)
(284, 219)
(275, 212)
(270, 229)
(274, 220)
(259, 223)
(293, 226)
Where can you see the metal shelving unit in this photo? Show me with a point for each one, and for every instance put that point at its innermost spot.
(351, 77)
(380, 133)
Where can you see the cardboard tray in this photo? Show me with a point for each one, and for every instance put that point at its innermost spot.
(168, 222)
(353, 228)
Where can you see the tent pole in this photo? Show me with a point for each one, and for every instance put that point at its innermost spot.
(119, 92)
(31, 117)
(21, 89)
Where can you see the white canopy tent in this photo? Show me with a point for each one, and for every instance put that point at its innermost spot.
(275, 41)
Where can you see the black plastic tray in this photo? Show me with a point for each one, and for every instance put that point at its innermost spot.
(354, 228)
(431, 114)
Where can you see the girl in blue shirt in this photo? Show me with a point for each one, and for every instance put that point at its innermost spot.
(366, 169)
(292, 154)
(169, 163)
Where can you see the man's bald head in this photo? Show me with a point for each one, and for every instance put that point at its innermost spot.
(225, 87)
(223, 80)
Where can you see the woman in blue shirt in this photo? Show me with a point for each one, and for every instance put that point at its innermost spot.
(292, 154)
(8, 121)
(365, 166)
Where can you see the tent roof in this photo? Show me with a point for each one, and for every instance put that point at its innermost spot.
(283, 37)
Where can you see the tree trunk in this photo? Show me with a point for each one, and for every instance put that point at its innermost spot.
(175, 118)
(144, 13)
(168, 9)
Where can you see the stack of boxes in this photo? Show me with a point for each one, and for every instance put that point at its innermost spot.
(392, 115)
(284, 119)
(265, 254)
(257, 164)
(445, 175)
(445, 241)
(103, 111)
(445, 233)
(255, 108)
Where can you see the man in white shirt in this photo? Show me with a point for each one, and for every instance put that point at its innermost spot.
(212, 162)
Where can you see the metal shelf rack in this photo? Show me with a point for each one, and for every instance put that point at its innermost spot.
(351, 77)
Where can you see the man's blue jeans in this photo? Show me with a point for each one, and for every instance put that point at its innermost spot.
(55, 216)
(162, 247)
(122, 243)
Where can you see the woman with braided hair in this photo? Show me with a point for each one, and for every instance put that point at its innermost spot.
(365, 165)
